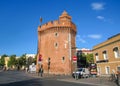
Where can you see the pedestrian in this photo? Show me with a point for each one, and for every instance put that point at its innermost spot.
(26, 69)
(41, 71)
(37, 70)
(4, 69)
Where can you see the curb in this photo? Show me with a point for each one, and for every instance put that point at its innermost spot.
(68, 79)
(82, 82)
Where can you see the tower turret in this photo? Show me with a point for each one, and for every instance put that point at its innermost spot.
(65, 17)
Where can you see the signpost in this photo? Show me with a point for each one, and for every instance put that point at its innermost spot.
(74, 59)
(39, 63)
(75, 65)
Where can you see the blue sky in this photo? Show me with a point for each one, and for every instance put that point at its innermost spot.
(96, 20)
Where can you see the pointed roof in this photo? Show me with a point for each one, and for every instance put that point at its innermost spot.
(65, 15)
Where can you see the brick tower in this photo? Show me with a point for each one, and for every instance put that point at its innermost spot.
(56, 40)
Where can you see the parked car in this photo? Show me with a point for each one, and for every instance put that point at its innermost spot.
(81, 73)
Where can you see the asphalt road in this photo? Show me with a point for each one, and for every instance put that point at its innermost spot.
(18, 78)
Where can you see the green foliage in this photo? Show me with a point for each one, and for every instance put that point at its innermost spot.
(22, 60)
(90, 58)
(84, 60)
(2, 60)
(35, 59)
(17, 62)
(30, 60)
(81, 60)
(12, 61)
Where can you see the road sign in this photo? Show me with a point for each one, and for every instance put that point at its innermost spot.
(74, 58)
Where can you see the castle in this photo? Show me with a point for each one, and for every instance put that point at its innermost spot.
(56, 45)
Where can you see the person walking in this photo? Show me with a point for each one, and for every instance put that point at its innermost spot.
(38, 72)
(41, 71)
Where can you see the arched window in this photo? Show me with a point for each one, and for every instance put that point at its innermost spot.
(105, 55)
(116, 52)
(56, 34)
(97, 57)
(63, 59)
(107, 70)
(56, 45)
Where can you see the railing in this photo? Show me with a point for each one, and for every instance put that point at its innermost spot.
(100, 61)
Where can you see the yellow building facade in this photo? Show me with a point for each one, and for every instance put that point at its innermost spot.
(107, 55)
(6, 61)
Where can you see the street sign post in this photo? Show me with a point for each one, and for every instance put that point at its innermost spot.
(75, 66)
(74, 58)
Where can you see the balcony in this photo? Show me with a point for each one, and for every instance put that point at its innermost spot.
(101, 61)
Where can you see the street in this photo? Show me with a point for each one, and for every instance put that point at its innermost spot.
(20, 78)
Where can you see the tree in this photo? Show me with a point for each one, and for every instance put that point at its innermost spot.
(81, 60)
(35, 59)
(12, 61)
(30, 60)
(22, 60)
(2, 60)
(84, 60)
(90, 58)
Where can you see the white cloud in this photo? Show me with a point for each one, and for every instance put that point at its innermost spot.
(97, 6)
(79, 39)
(105, 19)
(100, 17)
(95, 36)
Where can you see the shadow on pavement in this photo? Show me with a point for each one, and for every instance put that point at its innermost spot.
(31, 82)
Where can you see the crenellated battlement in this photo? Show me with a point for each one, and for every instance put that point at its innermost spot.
(57, 23)
(63, 21)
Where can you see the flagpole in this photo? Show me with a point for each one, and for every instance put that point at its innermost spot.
(38, 47)
(39, 36)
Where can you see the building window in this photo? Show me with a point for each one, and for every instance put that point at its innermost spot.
(107, 70)
(63, 59)
(65, 45)
(56, 45)
(98, 71)
(97, 57)
(105, 55)
(116, 52)
(56, 34)
(118, 68)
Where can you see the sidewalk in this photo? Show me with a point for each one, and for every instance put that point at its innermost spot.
(92, 81)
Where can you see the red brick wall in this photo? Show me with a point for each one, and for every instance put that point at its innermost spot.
(65, 40)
